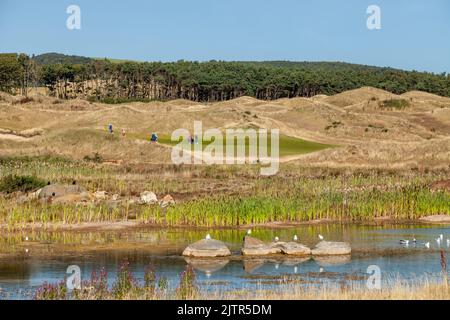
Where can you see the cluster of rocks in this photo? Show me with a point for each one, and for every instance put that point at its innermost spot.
(255, 247)
(76, 194)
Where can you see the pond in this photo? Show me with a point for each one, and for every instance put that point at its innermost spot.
(27, 260)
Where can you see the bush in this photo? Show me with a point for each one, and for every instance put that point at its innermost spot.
(108, 100)
(23, 100)
(12, 183)
(97, 158)
(187, 288)
(394, 104)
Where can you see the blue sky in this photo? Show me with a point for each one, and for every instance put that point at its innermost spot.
(415, 34)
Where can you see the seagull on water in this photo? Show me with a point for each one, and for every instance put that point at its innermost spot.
(438, 240)
(295, 238)
(321, 237)
(277, 239)
(427, 244)
(208, 237)
(405, 242)
(448, 242)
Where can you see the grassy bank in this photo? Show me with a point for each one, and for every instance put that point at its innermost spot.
(227, 196)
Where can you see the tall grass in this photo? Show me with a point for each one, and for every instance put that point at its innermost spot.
(228, 196)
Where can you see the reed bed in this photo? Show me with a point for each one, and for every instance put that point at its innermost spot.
(228, 196)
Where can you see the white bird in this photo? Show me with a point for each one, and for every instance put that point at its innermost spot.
(427, 244)
(277, 266)
(295, 269)
(249, 232)
(441, 236)
(321, 270)
(438, 240)
(321, 237)
(26, 238)
(26, 250)
(208, 237)
(404, 242)
(277, 239)
(295, 238)
(448, 242)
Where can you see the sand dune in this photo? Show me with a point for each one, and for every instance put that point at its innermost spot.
(366, 134)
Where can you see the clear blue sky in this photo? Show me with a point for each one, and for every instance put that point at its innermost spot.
(415, 34)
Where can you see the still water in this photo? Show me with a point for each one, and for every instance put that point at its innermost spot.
(29, 259)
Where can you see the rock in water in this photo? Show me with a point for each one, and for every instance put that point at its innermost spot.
(328, 248)
(148, 197)
(207, 248)
(255, 247)
(295, 248)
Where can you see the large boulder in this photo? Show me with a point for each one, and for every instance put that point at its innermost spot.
(328, 248)
(295, 248)
(148, 197)
(70, 198)
(58, 190)
(207, 248)
(255, 247)
(166, 201)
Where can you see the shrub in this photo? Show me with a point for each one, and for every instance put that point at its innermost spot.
(49, 291)
(23, 100)
(14, 183)
(394, 104)
(187, 288)
(97, 158)
(125, 281)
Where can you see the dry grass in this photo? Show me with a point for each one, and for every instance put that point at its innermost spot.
(423, 290)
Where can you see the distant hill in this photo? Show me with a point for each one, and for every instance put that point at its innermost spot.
(214, 80)
(58, 58)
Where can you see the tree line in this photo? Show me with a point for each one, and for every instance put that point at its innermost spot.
(99, 79)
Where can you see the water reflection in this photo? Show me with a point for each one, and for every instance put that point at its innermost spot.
(207, 266)
(327, 261)
(50, 253)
